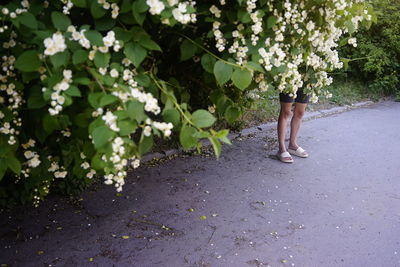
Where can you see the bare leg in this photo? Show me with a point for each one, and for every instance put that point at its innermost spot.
(299, 110)
(284, 115)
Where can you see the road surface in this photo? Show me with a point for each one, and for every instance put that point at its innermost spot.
(339, 207)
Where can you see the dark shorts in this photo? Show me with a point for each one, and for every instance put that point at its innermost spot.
(301, 97)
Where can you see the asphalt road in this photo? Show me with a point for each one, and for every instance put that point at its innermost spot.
(340, 207)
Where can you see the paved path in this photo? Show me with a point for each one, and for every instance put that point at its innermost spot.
(340, 207)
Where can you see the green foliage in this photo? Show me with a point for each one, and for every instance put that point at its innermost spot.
(376, 59)
(87, 89)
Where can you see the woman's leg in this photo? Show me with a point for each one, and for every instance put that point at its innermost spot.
(299, 110)
(284, 115)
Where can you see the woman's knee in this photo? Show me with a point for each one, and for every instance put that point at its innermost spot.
(286, 113)
(299, 113)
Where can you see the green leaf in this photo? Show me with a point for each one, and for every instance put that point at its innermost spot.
(172, 115)
(79, 3)
(350, 26)
(94, 37)
(82, 80)
(139, 17)
(223, 136)
(28, 61)
(60, 59)
(202, 118)
(79, 56)
(101, 60)
(107, 100)
(73, 91)
(97, 10)
(149, 44)
(241, 78)
(60, 21)
(145, 144)
(255, 66)
(28, 20)
(208, 61)
(101, 136)
(50, 123)
(36, 100)
(97, 163)
(222, 72)
(104, 24)
(135, 53)
(186, 137)
(94, 99)
(136, 111)
(14, 165)
(3, 167)
(231, 114)
(188, 49)
(143, 80)
(271, 21)
(216, 145)
(126, 6)
(140, 6)
(126, 127)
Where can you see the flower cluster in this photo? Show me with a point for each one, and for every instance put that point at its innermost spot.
(55, 44)
(11, 42)
(67, 6)
(219, 38)
(257, 20)
(79, 36)
(57, 99)
(113, 6)
(164, 127)
(13, 14)
(352, 41)
(85, 165)
(180, 13)
(151, 103)
(111, 121)
(33, 158)
(156, 6)
(110, 41)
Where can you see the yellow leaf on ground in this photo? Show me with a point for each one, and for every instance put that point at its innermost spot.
(40, 252)
(125, 237)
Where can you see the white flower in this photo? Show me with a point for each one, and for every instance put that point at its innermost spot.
(34, 162)
(353, 42)
(114, 73)
(135, 164)
(54, 44)
(214, 10)
(91, 174)
(29, 154)
(103, 71)
(103, 49)
(62, 174)
(156, 6)
(67, 75)
(85, 165)
(53, 167)
(147, 131)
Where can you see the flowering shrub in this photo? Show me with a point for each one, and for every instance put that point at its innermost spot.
(376, 59)
(86, 85)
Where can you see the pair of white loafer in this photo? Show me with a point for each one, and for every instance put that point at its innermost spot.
(286, 156)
